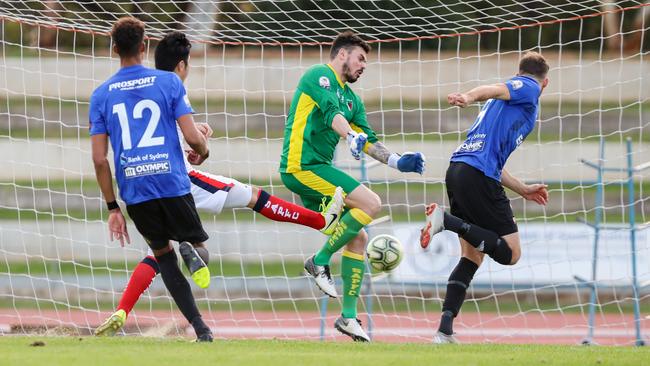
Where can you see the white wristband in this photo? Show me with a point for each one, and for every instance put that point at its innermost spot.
(392, 160)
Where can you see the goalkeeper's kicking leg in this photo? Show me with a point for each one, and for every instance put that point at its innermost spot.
(365, 205)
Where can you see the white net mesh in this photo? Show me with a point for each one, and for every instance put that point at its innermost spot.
(58, 271)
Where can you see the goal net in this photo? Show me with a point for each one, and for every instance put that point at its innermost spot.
(585, 268)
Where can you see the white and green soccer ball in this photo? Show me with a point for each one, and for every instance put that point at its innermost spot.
(384, 252)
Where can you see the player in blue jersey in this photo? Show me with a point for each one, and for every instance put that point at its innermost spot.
(480, 211)
(214, 193)
(139, 110)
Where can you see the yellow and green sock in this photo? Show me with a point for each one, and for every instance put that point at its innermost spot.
(349, 226)
(352, 268)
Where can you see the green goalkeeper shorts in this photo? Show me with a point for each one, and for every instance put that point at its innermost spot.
(313, 185)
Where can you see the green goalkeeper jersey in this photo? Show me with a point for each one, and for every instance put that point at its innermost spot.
(309, 140)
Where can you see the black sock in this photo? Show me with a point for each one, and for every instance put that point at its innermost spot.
(502, 253)
(459, 281)
(177, 285)
(200, 328)
(453, 223)
(483, 240)
(446, 322)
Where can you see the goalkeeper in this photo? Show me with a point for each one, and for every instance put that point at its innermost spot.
(480, 211)
(323, 110)
(212, 193)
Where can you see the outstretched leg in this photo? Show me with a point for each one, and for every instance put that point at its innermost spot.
(140, 280)
(277, 209)
(504, 249)
(214, 193)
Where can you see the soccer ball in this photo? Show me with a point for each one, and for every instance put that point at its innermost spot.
(384, 252)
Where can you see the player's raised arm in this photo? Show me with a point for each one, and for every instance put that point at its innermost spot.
(479, 94)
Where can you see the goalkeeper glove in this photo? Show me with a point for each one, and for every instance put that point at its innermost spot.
(407, 162)
(356, 142)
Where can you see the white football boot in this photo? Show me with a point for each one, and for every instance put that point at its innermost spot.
(322, 277)
(442, 338)
(351, 328)
(434, 224)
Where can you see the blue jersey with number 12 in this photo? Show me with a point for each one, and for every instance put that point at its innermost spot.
(138, 107)
(501, 126)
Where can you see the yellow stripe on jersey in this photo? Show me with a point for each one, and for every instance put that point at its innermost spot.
(303, 110)
(358, 129)
(349, 254)
(342, 84)
(313, 181)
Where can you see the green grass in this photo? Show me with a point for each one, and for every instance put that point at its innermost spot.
(67, 351)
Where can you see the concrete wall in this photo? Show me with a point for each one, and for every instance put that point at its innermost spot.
(425, 77)
(552, 161)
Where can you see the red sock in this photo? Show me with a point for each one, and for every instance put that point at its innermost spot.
(278, 209)
(140, 280)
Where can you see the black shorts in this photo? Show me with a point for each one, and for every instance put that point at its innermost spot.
(479, 200)
(164, 219)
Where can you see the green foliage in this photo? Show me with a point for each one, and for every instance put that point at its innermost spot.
(434, 24)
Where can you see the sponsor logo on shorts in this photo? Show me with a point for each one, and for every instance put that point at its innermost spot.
(473, 146)
(159, 167)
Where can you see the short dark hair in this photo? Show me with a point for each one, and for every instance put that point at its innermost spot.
(533, 63)
(128, 35)
(172, 49)
(347, 40)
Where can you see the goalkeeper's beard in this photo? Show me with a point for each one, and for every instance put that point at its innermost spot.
(349, 77)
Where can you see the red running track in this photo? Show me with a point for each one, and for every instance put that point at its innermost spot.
(534, 327)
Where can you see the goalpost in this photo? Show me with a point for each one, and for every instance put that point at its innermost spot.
(60, 274)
